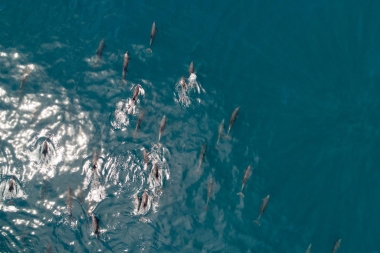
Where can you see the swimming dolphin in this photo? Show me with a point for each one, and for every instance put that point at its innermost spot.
(336, 246)
(69, 201)
(220, 131)
(11, 185)
(136, 92)
(146, 156)
(144, 201)
(162, 127)
(137, 202)
(308, 249)
(94, 161)
(262, 208)
(209, 192)
(232, 119)
(247, 174)
(99, 51)
(140, 118)
(23, 80)
(191, 68)
(183, 86)
(95, 225)
(155, 172)
(202, 155)
(152, 33)
(125, 65)
(45, 148)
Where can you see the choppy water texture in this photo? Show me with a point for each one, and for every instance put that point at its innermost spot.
(305, 75)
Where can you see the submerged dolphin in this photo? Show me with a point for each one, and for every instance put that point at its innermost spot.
(220, 131)
(308, 249)
(152, 33)
(232, 119)
(95, 225)
(336, 246)
(162, 127)
(99, 51)
(191, 68)
(247, 174)
(202, 155)
(69, 201)
(146, 156)
(125, 65)
(140, 118)
(209, 192)
(262, 208)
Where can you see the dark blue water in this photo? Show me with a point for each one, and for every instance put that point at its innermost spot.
(306, 76)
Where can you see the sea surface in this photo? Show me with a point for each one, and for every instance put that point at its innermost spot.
(304, 74)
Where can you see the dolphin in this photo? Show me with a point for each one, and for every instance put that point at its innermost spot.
(336, 246)
(191, 68)
(183, 86)
(155, 172)
(220, 131)
(209, 192)
(144, 201)
(94, 161)
(125, 65)
(152, 33)
(232, 119)
(146, 156)
(11, 185)
(139, 119)
(247, 174)
(45, 148)
(23, 81)
(136, 92)
(137, 202)
(99, 51)
(162, 127)
(69, 201)
(308, 249)
(262, 208)
(95, 225)
(202, 155)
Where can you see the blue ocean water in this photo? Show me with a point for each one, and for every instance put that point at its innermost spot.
(306, 78)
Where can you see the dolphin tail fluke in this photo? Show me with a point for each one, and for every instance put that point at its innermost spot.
(240, 194)
(206, 208)
(257, 222)
(149, 50)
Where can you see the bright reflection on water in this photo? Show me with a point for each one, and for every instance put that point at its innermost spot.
(46, 142)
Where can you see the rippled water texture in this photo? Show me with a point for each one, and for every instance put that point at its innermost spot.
(86, 167)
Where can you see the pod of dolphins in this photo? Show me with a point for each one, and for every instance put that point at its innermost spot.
(142, 202)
